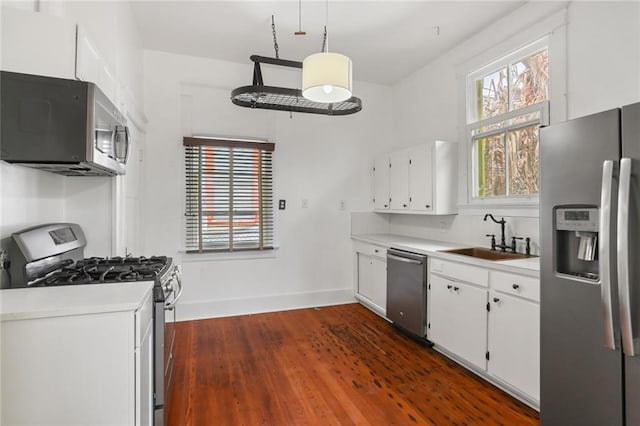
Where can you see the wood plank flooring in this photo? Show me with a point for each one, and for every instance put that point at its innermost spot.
(338, 365)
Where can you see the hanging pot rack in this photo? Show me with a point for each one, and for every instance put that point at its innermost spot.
(286, 99)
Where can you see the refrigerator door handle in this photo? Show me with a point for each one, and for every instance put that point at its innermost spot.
(624, 291)
(604, 254)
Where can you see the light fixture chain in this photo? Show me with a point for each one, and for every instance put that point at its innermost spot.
(324, 40)
(275, 40)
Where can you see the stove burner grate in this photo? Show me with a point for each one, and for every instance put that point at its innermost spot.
(95, 270)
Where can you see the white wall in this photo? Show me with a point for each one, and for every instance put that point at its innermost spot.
(318, 158)
(595, 65)
(30, 197)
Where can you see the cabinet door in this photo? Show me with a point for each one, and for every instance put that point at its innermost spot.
(421, 177)
(514, 342)
(365, 276)
(37, 43)
(458, 319)
(91, 66)
(381, 183)
(379, 278)
(399, 180)
(77, 370)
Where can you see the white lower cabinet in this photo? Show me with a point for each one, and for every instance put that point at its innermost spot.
(371, 277)
(490, 322)
(365, 276)
(514, 342)
(458, 319)
(85, 369)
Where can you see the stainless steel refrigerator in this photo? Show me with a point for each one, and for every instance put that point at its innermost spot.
(590, 270)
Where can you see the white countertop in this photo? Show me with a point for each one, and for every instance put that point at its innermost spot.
(529, 266)
(43, 302)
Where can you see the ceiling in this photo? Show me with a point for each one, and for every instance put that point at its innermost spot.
(387, 40)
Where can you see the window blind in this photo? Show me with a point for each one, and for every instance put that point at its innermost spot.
(229, 195)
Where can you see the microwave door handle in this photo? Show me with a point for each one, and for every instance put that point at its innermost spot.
(624, 282)
(604, 253)
(119, 131)
(127, 142)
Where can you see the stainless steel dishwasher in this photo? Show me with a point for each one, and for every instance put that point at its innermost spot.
(407, 291)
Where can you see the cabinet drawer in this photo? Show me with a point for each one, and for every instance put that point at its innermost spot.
(460, 272)
(371, 250)
(518, 285)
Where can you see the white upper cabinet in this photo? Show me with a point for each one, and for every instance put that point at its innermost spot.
(37, 43)
(381, 183)
(399, 180)
(91, 66)
(421, 179)
(42, 44)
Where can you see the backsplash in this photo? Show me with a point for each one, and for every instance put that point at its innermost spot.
(464, 229)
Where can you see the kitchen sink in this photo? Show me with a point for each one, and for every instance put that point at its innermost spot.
(487, 254)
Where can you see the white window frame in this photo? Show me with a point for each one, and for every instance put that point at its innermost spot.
(472, 123)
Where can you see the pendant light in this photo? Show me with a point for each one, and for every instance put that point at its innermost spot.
(327, 76)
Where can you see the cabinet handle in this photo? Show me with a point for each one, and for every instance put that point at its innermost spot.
(385, 206)
(377, 251)
(427, 206)
(449, 287)
(404, 205)
(515, 286)
(496, 300)
(456, 288)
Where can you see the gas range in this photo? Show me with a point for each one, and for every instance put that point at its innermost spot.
(53, 255)
(95, 270)
(101, 270)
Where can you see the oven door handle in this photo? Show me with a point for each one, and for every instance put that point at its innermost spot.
(178, 279)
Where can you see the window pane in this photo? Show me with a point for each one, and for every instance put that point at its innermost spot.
(490, 158)
(229, 198)
(530, 80)
(492, 94)
(523, 161)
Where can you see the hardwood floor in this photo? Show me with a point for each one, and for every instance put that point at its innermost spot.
(337, 365)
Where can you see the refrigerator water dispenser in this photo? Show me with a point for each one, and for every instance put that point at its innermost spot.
(577, 242)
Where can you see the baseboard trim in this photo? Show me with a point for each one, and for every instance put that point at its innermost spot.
(186, 311)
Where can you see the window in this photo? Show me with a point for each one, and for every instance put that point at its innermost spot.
(229, 195)
(507, 101)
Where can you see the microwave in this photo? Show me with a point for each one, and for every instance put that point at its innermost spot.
(62, 126)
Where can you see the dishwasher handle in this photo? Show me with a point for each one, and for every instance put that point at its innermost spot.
(406, 257)
(403, 259)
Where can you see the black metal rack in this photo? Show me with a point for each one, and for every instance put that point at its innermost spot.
(286, 99)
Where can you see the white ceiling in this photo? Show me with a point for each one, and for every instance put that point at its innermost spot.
(387, 40)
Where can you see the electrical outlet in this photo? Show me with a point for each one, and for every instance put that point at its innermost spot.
(343, 205)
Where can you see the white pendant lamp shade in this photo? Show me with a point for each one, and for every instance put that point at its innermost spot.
(326, 77)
